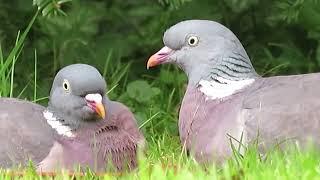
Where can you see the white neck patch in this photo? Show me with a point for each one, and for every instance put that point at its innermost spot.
(215, 90)
(57, 125)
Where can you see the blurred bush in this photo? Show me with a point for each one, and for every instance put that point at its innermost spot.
(281, 37)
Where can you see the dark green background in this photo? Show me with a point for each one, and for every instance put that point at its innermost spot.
(281, 37)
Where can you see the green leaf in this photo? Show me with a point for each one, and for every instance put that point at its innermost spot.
(141, 91)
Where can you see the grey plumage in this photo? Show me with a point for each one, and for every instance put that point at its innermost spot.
(278, 108)
(283, 108)
(70, 104)
(226, 58)
(24, 133)
(75, 134)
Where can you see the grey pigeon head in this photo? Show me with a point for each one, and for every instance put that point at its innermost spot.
(204, 50)
(78, 95)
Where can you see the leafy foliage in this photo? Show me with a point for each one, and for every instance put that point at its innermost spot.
(50, 7)
(117, 37)
(281, 37)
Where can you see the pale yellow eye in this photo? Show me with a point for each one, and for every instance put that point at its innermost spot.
(193, 40)
(66, 85)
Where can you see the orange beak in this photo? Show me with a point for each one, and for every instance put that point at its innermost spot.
(94, 101)
(159, 57)
(100, 110)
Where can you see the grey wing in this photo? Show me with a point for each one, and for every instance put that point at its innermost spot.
(120, 139)
(24, 133)
(283, 109)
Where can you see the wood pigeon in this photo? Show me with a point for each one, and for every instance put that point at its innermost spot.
(80, 126)
(226, 99)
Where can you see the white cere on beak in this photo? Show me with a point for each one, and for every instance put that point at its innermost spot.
(97, 98)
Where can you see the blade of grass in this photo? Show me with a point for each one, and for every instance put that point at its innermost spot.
(1, 55)
(3, 76)
(121, 74)
(237, 156)
(40, 99)
(112, 88)
(106, 65)
(35, 76)
(275, 68)
(12, 67)
(16, 57)
(170, 99)
(23, 90)
(18, 45)
(144, 123)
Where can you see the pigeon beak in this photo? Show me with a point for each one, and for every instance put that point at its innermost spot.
(159, 57)
(100, 110)
(94, 101)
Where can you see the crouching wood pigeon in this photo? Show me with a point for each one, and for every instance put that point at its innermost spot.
(80, 126)
(226, 97)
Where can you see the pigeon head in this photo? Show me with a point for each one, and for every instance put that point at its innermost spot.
(204, 50)
(78, 94)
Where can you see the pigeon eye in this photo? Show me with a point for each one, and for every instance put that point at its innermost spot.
(66, 85)
(193, 40)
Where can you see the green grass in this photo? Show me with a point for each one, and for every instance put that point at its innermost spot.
(163, 162)
(155, 106)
